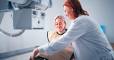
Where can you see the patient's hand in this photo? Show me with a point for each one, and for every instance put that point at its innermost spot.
(34, 54)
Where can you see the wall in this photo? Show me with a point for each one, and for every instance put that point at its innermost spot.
(103, 12)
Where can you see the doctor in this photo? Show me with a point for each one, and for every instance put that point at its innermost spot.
(84, 33)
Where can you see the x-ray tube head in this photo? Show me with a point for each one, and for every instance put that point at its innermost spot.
(7, 5)
(40, 4)
(19, 1)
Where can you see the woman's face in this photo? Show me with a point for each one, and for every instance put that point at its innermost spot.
(60, 25)
(69, 12)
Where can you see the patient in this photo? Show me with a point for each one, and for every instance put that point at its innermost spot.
(60, 29)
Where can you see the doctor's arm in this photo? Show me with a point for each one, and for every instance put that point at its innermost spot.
(75, 31)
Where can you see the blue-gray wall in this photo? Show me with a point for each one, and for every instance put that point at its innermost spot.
(103, 12)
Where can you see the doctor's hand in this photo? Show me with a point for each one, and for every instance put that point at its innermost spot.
(35, 53)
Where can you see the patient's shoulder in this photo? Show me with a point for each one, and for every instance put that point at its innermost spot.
(50, 33)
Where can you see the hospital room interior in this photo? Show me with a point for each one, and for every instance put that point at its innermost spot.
(24, 23)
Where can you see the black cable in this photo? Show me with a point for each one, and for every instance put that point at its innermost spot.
(12, 34)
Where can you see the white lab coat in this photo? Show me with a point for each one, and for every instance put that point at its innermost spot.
(88, 41)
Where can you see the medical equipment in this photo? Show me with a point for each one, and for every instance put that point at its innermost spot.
(23, 16)
(7, 5)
